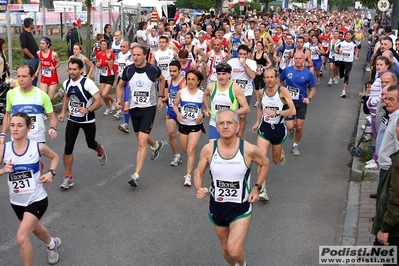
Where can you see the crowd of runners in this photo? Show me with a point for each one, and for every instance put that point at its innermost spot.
(203, 67)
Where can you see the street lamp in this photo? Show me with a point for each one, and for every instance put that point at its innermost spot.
(242, 3)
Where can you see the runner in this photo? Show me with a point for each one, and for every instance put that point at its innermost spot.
(262, 62)
(105, 61)
(316, 51)
(33, 101)
(348, 49)
(175, 84)
(188, 108)
(141, 77)
(243, 74)
(298, 79)
(163, 57)
(223, 94)
(216, 56)
(48, 64)
(78, 53)
(81, 99)
(28, 198)
(231, 196)
(270, 124)
(123, 58)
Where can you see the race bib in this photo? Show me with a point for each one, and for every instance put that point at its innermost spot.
(163, 67)
(221, 107)
(22, 182)
(325, 43)
(74, 107)
(346, 55)
(228, 191)
(46, 72)
(260, 67)
(104, 71)
(33, 126)
(190, 112)
(141, 97)
(273, 108)
(171, 99)
(183, 74)
(314, 55)
(294, 92)
(242, 83)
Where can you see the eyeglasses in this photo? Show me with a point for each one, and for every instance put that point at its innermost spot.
(389, 99)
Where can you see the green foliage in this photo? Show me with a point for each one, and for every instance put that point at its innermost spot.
(341, 4)
(254, 5)
(369, 3)
(198, 4)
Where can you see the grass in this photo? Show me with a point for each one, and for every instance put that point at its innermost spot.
(59, 46)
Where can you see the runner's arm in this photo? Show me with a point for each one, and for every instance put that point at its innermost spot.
(244, 107)
(285, 94)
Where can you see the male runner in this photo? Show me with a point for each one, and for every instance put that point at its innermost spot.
(81, 98)
(229, 159)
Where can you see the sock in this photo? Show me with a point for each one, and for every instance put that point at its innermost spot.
(68, 175)
(99, 153)
(52, 244)
(126, 116)
(295, 144)
(155, 147)
(136, 174)
(177, 155)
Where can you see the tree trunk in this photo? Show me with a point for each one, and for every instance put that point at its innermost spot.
(88, 36)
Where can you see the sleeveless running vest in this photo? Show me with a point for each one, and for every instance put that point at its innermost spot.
(274, 103)
(230, 176)
(23, 182)
(222, 100)
(191, 106)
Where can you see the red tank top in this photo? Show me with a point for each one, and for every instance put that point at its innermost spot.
(46, 63)
(276, 39)
(325, 41)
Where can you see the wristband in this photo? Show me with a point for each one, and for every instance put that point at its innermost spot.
(310, 99)
(3, 135)
(161, 96)
(53, 128)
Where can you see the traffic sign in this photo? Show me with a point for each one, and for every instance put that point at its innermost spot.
(383, 5)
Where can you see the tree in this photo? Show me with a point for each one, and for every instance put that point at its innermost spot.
(254, 5)
(88, 32)
(198, 4)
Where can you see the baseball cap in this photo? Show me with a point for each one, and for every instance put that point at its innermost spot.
(77, 22)
(223, 67)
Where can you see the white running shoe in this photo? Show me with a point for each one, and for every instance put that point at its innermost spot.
(330, 83)
(118, 114)
(67, 183)
(187, 180)
(103, 158)
(282, 158)
(343, 94)
(336, 80)
(263, 195)
(370, 161)
(134, 180)
(176, 161)
(107, 112)
(372, 166)
(52, 256)
(256, 104)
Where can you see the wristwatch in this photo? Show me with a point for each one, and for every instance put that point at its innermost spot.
(88, 110)
(51, 171)
(161, 96)
(277, 112)
(258, 186)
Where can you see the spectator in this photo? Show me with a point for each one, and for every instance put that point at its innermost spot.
(29, 46)
(4, 66)
(74, 36)
(108, 34)
(365, 96)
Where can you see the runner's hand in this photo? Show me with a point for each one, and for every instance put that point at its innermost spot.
(8, 168)
(254, 196)
(202, 192)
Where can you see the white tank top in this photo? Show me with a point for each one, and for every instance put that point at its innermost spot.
(153, 43)
(191, 106)
(274, 103)
(213, 62)
(231, 177)
(203, 48)
(163, 59)
(122, 60)
(23, 182)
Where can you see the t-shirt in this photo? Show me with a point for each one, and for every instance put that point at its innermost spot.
(28, 41)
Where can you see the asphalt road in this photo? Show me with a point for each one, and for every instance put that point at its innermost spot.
(104, 221)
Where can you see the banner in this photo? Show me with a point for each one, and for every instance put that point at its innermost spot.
(3, 2)
(53, 18)
(314, 4)
(324, 5)
(59, 6)
(15, 19)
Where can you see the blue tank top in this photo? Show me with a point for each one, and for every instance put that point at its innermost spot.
(236, 42)
(172, 91)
